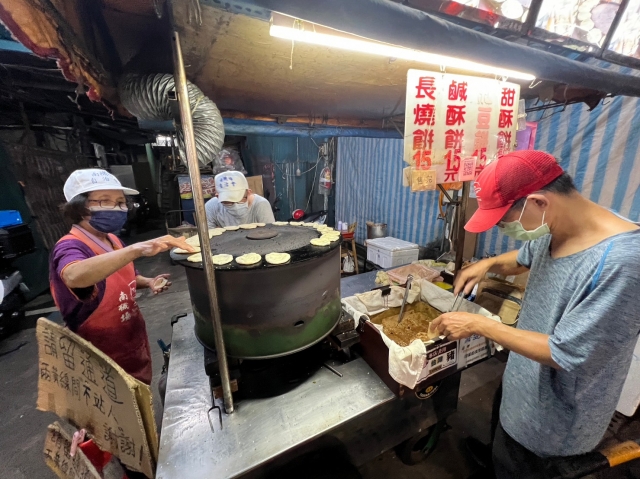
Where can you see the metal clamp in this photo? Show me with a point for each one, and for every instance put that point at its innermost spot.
(407, 287)
(214, 406)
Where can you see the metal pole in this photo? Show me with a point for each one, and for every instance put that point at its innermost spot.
(614, 26)
(462, 211)
(201, 217)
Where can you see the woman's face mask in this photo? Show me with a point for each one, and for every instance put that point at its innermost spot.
(107, 220)
(514, 229)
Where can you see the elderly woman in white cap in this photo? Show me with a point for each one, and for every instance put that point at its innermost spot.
(91, 273)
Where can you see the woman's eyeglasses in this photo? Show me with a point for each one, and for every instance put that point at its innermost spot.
(110, 205)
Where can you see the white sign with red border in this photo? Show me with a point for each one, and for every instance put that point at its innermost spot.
(456, 124)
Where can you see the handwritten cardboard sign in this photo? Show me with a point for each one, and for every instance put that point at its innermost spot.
(57, 446)
(80, 383)
(423, 180)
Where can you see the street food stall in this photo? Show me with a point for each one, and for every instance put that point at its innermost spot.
(274, 362)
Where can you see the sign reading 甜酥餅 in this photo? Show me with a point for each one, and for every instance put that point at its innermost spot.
(456, 124)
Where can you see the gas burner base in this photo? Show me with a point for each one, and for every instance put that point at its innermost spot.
(262, 378)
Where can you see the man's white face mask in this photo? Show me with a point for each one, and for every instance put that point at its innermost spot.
(514, 229)
(237, 210)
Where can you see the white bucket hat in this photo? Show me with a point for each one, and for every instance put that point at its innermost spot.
(92, 179)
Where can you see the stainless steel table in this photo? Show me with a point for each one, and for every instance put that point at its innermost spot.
(356, 411)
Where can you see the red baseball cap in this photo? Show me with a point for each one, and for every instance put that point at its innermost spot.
(506, 180)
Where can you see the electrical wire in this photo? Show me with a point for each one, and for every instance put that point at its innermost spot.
(313, 183)
(301, 173)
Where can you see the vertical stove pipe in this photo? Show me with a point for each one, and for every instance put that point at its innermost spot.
(201, 217)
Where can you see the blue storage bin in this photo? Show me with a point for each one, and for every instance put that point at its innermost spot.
(10, 218)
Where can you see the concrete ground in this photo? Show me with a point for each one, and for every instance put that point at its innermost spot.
(23, 427)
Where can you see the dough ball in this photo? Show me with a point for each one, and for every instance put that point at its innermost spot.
(248, 226)
(249, 258)
(277, 258)
(220, 259)
(231, 228)
(216, 232)
(184, 251)
(296, 223)
(280, 223)
(259, 224)
(309, 225)
(320, 242)
(195, 258)
(160, 283)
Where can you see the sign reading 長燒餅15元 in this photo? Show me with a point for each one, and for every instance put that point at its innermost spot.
(456, 124)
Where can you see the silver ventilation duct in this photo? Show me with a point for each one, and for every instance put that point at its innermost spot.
(148, 97)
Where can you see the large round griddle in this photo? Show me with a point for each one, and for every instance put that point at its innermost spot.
(294, 240)
(268, 310)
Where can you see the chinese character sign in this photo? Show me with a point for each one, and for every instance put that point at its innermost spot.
(80, 383)
(57, 455)
(455, 124)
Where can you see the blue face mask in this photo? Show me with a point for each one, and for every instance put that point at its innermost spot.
(108, 221)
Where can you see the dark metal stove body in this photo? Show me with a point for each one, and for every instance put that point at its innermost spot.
(269, 310)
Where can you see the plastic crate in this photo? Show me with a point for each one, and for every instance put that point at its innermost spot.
(10, 218)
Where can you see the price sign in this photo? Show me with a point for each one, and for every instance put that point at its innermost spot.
(450, 119)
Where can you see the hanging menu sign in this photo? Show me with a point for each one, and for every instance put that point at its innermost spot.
(456, 124)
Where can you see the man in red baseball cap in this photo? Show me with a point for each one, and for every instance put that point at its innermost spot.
(580, 318)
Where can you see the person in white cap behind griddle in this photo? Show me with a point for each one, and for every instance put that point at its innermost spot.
(235, 204)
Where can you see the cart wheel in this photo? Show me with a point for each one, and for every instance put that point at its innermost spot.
(420, 446)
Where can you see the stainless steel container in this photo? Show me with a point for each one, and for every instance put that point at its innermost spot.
(267, 310)
(376, 230)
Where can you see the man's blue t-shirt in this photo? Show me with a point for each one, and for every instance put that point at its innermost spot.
(589, 304)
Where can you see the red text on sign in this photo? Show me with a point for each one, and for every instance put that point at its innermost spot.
(425, 115)
(458, 91)
(423, 139)
(426, 88)
(508, 97)
(505, 120)
(455, 115)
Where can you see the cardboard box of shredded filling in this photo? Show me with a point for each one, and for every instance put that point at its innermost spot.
(443, 358)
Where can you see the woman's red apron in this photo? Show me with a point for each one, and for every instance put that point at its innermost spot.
(116, 327)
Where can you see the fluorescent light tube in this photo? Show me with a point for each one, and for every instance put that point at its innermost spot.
(386, 50)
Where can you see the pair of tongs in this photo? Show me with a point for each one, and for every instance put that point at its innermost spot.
(407, 287)
(385, 291)
(457, 301)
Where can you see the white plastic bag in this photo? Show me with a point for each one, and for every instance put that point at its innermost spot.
(348, 266)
